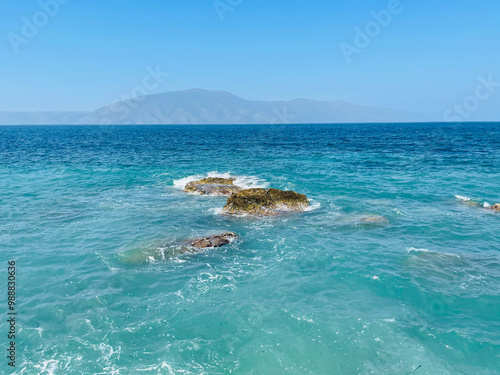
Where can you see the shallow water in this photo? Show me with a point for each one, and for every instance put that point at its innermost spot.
(319, 292)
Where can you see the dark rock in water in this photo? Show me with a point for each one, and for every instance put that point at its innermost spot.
(157, 253)
(212, 241)
(264, 202)
(213, 186)
(496, 207)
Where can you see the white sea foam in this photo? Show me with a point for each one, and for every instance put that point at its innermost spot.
(432, 253)
(39, 330)
(181, 183)
(410, 249)
(216, 210)
(398, 212)
(246, 182)
(312, 205)
(48, 366)
(473, 201)
(462, 198)
(249, 182)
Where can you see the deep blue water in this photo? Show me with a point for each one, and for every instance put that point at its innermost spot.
(319, 292)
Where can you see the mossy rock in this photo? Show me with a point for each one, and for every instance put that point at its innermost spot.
(216, 180)
(265, 202)
(213, 186)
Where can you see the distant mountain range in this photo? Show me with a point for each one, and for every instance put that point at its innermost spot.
(212, 107)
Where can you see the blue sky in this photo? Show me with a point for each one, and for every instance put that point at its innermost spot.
(86, 54)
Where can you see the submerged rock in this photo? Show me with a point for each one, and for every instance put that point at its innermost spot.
(265, 202)
(213, 186)
(143, 255)
(375, 219)
(472, 204)
(212, 241)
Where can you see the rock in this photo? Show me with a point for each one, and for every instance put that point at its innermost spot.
(169, 251)
(495, 207)
(264, 202)
(212, 241)
(213, 186)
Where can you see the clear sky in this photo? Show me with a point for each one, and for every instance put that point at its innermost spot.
(426, 57)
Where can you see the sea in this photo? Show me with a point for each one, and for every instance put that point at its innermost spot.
(92, 217)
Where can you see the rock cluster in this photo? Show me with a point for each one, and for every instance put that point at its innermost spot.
(255, 202)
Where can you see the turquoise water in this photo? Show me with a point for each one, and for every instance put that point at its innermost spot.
(318, 292)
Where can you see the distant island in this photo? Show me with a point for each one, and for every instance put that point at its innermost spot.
(199, 106)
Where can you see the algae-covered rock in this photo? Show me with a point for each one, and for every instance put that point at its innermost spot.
(213, 186)
(216, 180)
(212, 241)
(265, 202)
